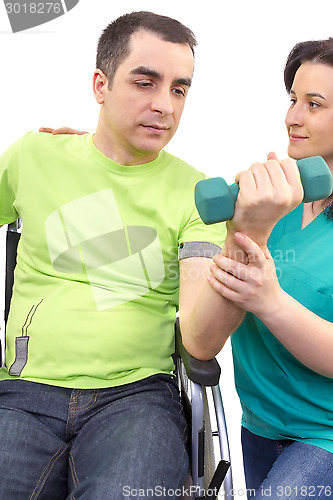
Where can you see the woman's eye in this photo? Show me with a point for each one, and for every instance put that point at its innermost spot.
(314, 105)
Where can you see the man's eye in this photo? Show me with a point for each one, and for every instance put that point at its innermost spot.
(179, 91)
(143, 84)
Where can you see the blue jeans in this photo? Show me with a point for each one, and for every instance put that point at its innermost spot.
(286, 469)
(59, 443)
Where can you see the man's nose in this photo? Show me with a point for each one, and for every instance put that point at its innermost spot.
(162, 102)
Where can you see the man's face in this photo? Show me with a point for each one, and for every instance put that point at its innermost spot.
(141, 111)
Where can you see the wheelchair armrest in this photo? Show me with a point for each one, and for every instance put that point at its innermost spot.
(205, 373)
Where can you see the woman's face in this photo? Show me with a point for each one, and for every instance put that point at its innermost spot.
(309, 119)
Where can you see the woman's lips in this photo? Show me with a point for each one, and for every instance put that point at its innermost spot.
(297, 138)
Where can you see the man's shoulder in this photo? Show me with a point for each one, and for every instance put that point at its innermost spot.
(39, 146)
(183, 166)
(45, 138)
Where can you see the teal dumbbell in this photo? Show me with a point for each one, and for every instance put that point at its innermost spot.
(215, 200)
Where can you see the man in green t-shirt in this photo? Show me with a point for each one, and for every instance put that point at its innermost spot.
(111, 247)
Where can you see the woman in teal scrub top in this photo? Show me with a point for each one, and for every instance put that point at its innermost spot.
(283, 349)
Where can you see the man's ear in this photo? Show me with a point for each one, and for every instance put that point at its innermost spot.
(100, 85)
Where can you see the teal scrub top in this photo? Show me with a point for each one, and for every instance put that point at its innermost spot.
(281, 398)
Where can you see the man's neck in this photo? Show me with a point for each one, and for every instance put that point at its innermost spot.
(118, 153)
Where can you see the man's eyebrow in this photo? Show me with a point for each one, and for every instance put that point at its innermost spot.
(311, 94)
(184, 81)
(146, 71)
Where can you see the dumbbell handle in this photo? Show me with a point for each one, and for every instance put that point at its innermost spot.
(234, 189)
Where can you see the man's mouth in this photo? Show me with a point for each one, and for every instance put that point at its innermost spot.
(156, 129)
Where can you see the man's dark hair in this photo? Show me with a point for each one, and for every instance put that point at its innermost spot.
(113, 45)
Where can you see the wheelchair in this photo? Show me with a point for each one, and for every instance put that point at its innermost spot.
(210, 474)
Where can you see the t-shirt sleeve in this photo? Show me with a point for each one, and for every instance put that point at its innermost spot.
(200, 240)
(9, 164)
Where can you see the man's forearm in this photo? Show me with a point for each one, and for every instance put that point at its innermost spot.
(208, 325)
(214, 318)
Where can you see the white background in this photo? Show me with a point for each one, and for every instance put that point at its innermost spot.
(234, 113)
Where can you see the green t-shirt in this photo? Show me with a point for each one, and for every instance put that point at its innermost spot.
(97, 276)
(281, 398)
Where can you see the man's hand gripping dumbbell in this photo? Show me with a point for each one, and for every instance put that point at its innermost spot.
(266, 192)
(215, 200)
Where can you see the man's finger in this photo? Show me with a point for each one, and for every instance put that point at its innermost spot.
(272, 156)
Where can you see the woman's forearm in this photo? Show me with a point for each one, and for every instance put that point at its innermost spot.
(305, 335)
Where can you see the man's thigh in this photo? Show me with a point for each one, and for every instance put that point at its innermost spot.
(33, 461)
(136, 446)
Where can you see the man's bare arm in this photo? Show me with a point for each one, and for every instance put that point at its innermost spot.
(267, 192)
(206, 317)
